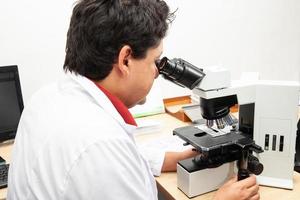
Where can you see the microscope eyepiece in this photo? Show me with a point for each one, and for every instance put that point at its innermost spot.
(164, 65)
(180, 72)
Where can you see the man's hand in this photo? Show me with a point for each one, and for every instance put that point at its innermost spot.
(246, 189)
(172, 158)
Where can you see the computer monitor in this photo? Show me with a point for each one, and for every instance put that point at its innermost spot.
(11, 102)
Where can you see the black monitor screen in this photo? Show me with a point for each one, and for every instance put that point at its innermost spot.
(11, 102)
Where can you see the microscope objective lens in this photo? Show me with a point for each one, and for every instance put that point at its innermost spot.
(209, 123)
(220, 123)
(228, 119)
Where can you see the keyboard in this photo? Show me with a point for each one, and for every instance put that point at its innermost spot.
(3, 175)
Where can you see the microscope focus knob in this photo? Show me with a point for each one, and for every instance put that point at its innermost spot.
(255, 166)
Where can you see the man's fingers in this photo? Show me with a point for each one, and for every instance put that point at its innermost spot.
(248, 182)
(255, 197)
(253, 190)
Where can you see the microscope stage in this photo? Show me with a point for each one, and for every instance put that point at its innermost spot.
(207, 143)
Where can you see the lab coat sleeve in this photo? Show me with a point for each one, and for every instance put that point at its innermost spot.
(155, 157)
(108, 170)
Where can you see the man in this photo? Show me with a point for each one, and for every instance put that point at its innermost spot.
(75, 139)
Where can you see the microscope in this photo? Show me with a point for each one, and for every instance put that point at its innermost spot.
(261, 140)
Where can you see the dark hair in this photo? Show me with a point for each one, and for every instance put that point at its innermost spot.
(100, 28)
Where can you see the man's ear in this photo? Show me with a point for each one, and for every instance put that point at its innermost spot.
(123, 59)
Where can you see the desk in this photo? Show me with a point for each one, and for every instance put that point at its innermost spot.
(167, 182)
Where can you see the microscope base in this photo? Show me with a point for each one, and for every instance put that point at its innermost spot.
(198, 182)
(275, 182)
(194, 181)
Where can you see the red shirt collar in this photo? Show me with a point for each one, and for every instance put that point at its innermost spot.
(119, 105)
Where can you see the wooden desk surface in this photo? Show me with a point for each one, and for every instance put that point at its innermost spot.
(167, 182)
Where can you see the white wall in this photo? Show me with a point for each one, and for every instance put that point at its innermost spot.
(243, 35)
(32, 36)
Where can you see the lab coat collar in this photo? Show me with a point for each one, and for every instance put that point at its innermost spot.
(119, 105)
(102, 100)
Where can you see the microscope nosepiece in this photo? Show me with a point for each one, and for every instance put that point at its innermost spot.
(221, 123)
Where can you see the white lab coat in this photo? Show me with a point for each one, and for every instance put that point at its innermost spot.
(73, 144)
